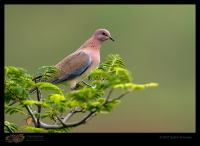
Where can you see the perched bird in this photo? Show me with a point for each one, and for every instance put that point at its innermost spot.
(78, 65)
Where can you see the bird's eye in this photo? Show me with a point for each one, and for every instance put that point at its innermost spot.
(103, 33)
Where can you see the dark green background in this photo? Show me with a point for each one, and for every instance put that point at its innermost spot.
(156, 42)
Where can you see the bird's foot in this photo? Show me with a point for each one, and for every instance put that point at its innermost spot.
(89, 85)
(73, 89)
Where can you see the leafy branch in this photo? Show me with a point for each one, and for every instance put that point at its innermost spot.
(89, 98)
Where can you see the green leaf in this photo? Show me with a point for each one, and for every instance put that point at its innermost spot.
(30, 102)
(82, 97)
(47, 72)
(49, 68)
(95, 105)
(123, 74)
(19, 91)
(7, 97)
(132, 86)
(109, 106)
(48, 86)
(13, 70)
(113, 61)
(33, 129)
(98, 94)
(63, 130)
(101, 85)
(57, 102)
(48, 114)
(12, 126)
(11, 110)
(98, 74)
(16, 73)
(57, 98)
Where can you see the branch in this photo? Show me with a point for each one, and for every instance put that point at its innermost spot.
(32, 115)
(9, 128)
(39, 106)
(111, 90)
(118, 97)
(90, 117)
(39, 97)
(83, 120)
(72, 113)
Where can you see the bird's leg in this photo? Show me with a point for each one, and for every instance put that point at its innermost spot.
(88, 84)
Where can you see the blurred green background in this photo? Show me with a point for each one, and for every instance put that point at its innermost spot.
(156, 42)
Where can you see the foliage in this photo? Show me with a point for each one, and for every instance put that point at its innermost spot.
(33, 129)
(10, 127)
(88, 98)
(11, 110)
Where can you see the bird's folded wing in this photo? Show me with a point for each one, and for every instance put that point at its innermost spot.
(72, 66)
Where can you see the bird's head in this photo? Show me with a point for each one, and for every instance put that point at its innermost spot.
(102, 35)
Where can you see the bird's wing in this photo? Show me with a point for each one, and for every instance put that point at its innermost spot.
(72, 66)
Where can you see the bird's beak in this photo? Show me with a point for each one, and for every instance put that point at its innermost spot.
(111, 38)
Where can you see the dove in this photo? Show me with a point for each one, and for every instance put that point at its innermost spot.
(78, 65)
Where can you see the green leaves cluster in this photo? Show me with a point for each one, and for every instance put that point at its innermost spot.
(108, 76)
(11, 110)
(16, 83)
(10, 127)
(40, 130)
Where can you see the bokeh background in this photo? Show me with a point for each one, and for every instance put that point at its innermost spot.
(156, 42)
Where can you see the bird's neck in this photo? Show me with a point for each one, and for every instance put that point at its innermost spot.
(92, 43)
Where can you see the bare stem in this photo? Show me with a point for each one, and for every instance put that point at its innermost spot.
(70, 114)
(32, 115)
(82, 121)
(118, 97)
(12, 103)
(111, 90)
(39, 106)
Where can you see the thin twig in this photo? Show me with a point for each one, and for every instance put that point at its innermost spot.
(12, 103)
(54, 120)
(39, 106)
(83, 120)
(118, 97)
(111, 90)
(91, 117)
(39, 97)
(80, 111)
(60, 121)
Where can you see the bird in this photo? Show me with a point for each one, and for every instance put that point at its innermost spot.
(78, 65)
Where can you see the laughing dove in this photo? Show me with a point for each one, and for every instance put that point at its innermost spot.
(78, 65)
